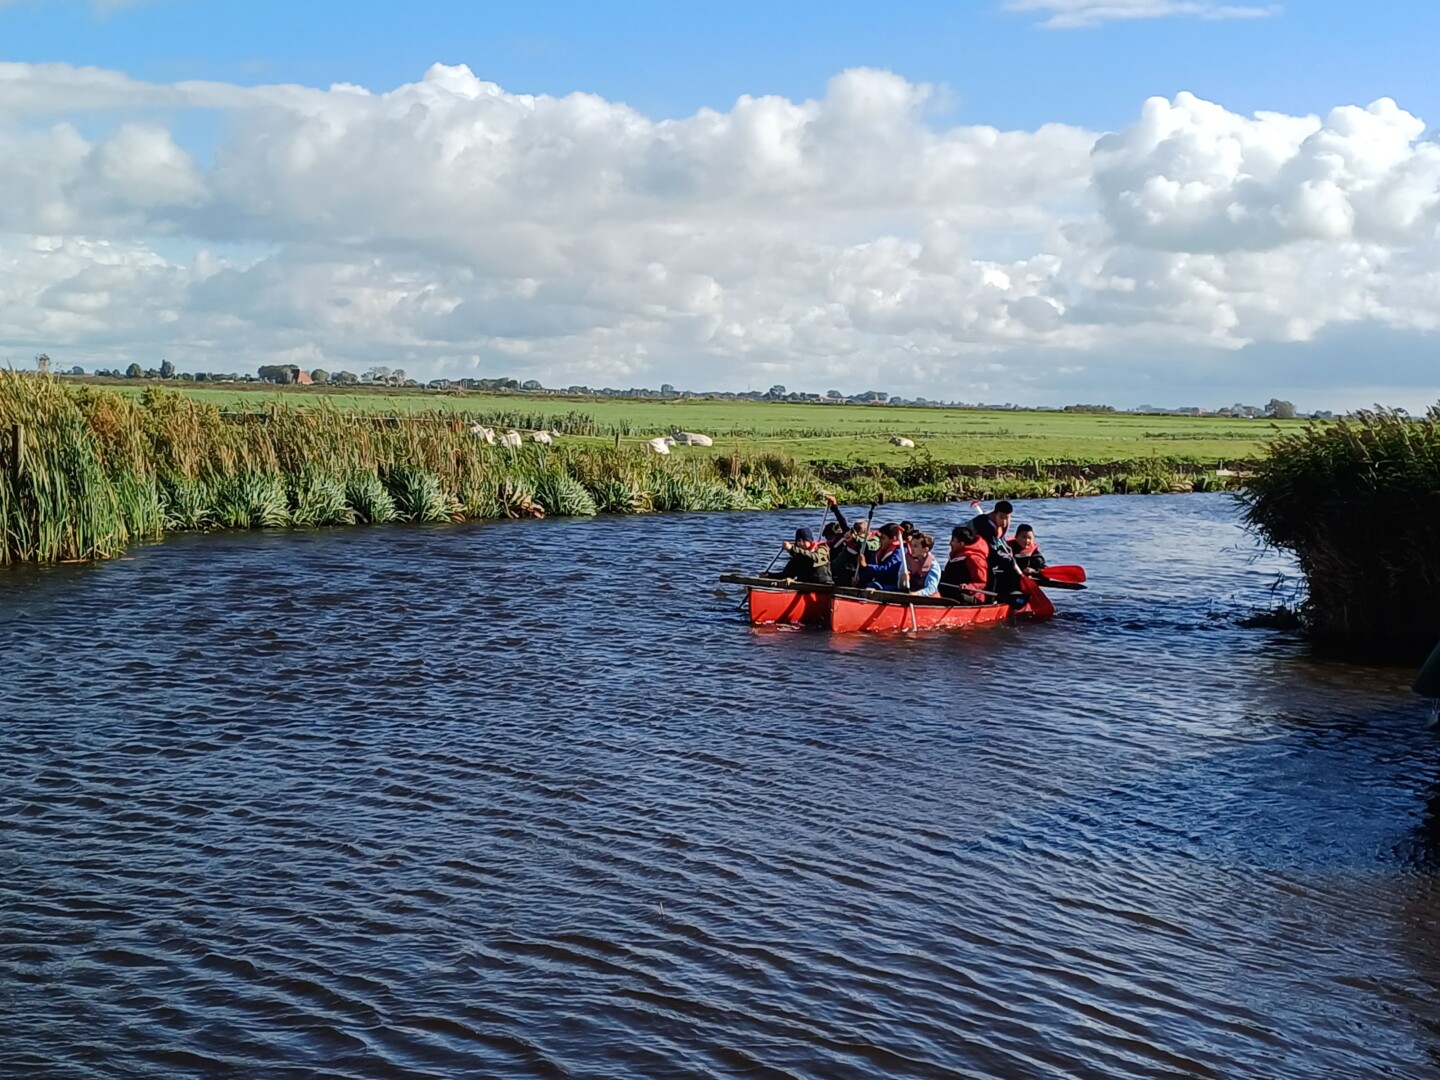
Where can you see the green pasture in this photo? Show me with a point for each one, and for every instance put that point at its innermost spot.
(848, 433)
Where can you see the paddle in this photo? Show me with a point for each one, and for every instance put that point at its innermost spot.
(773, 560)
(1068, 586)
(1036, 602)
(860, 542)
(783, 549)
(1072, 575)
(824, 515)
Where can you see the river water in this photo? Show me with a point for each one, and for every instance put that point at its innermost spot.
(532, 799)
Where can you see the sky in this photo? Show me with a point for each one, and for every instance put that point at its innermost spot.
(1170, 202)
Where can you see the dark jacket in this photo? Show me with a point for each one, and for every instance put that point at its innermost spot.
(984, 527)
(1028, 558)
(1004, 574)
(810, 564)
(844, 563)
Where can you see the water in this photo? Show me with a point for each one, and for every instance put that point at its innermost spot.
(531, 799)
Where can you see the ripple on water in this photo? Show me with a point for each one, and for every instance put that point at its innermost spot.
(353, 803)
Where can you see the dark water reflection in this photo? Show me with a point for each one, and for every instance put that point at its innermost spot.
(483, 800)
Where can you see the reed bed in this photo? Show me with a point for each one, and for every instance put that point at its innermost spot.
(86, 471)
(1358, 502)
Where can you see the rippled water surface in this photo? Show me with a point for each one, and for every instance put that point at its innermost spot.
(532, 799)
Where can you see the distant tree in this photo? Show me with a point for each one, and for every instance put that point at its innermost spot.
(133, 372)
(531, 384)
(834, 394)
(185, 376)
(666, 388)
(319, 376)
(344, 378)
(1280, 410)
(277, 373)
(78, 370)
(167, 369)
(776, 391)
(379, 373)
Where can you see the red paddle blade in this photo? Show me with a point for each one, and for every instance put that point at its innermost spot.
(1073, 575)
(1037, 603)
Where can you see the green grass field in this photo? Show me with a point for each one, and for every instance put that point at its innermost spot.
(846, 433)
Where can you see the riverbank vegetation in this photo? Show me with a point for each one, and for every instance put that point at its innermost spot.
(1358, 502)
(87, 471)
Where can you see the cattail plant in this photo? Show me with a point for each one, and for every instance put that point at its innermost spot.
(1358, 502)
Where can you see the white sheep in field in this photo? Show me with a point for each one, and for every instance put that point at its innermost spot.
(542, 437)
(902, 442)
(483, 433)
(690, 438)
(660, 445)
(511, 439)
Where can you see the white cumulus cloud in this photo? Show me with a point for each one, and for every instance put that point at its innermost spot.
(448, 226)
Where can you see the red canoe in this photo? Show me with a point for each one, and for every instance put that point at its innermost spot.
(779, 600)
(775, 601)
(879, 611)
(790, 604)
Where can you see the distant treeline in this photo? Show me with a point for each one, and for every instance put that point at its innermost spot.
(382, 377)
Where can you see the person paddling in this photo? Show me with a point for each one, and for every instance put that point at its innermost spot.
(809, 560)
(968, 571)
(992, 528)
(847, 540)
(885, 567)
(840, 536)
(1026, 551)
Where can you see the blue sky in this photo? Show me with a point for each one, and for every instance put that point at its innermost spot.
(861, 228)
(667, 59)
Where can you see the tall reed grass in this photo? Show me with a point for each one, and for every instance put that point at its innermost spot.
(1358, 502)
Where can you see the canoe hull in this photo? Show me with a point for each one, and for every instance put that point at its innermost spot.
(769, 607)
(774, 602)
(849, 615)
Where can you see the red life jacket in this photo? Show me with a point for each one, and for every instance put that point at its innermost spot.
(970, 567)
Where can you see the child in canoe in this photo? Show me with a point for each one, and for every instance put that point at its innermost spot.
(924, 567)
(1026, 551)
(967, 574)
(809, 560)
(885, 567)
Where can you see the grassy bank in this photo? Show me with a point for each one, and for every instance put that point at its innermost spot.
(845, 434)
(1358, 502)
(87, 471)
